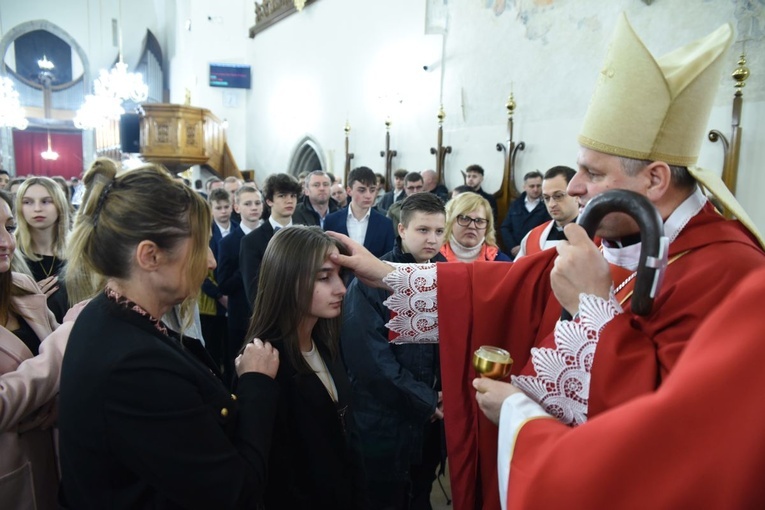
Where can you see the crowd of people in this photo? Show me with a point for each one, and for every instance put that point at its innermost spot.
(174, 293)
(307, 343)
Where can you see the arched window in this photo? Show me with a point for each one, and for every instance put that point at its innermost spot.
(307, 157)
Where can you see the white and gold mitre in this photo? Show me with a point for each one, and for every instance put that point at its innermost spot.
(654, 109)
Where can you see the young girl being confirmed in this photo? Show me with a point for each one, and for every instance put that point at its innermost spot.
(315, 460)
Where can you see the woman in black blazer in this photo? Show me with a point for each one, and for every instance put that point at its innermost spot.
(315, 461)
(145, 421)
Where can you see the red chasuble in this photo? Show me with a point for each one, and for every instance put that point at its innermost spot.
(696, 442)
(512, 306)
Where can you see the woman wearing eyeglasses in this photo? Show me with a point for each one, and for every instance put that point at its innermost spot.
(470, 230)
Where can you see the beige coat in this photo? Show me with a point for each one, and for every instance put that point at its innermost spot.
(28, 387)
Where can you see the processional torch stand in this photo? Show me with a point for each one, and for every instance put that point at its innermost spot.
(388, 154)
(440, 151)
(348, 154)
(732, 148)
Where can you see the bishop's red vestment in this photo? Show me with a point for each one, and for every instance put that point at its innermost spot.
(512, 306)
(695, 442)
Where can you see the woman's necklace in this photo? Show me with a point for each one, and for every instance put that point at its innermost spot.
(47, 272)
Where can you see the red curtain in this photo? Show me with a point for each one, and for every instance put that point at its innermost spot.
(27, 146)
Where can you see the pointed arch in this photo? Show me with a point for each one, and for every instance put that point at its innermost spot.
(307, 156)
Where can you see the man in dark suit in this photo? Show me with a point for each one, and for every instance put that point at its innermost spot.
(360, 221)
(249, 204)
(525, 213)
(397, 193)
(280, 192)
(316, 203)
(474, 179)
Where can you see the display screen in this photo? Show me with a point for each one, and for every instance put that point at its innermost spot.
(235, 76)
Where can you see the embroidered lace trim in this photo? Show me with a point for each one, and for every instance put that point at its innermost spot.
(135, 307)
(413, 302)
(562, 381)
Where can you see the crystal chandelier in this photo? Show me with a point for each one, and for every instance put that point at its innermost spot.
(97, 111)
(111, 88)
(120, 84)
(11, 112)
(50, 154)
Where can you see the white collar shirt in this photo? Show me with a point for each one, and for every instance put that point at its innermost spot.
(357, 229)
(224, 231)
(276, 225)
(531, 204)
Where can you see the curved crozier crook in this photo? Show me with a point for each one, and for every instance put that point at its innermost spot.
(653, 243)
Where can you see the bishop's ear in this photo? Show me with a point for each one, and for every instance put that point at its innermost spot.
(659, 175)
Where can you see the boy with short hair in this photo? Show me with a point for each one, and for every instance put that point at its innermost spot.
(281, 192)
(397, 388)
(212, 301)
(220, 203)
(249, 204)
(360, 221)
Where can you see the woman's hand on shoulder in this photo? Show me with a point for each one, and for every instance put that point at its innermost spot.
(258, 357)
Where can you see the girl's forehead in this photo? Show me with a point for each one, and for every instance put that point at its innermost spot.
(37, 190)
(328, 262)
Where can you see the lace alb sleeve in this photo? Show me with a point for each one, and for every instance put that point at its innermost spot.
(562, 381)
(413, 305)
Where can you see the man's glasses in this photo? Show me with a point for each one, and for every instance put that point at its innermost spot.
(465, 221)
(557, 197)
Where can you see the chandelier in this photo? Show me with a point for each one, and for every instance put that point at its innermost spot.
(120, 84)
(50, 154)
(11, 113)
(111, 88)
(97, 111)
(45, 64)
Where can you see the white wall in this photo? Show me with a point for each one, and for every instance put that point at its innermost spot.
(218, 33)
(334, 60)
(361, 60)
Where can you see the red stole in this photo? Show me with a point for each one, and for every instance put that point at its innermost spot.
(484, 303)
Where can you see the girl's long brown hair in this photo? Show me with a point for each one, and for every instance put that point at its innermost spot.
(285, 291)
